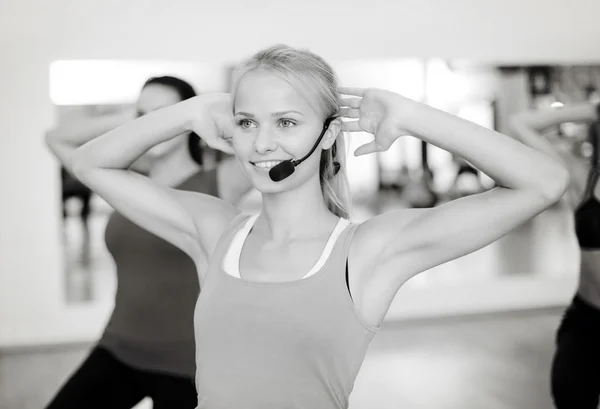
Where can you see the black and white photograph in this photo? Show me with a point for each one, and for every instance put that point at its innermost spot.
(389, 205)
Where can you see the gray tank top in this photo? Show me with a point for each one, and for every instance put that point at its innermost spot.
(151, 326)
(296, 344)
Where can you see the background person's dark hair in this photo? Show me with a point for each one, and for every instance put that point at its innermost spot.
(185, 91)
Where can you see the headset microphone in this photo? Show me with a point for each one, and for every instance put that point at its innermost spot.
(284, 169)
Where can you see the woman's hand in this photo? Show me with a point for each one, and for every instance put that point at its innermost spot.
(377, 111)
(211, 117)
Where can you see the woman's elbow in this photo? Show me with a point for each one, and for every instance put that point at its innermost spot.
(52, 138)
(81, 165)
(556, 182)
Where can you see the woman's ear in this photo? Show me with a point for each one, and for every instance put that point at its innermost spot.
(335, 127)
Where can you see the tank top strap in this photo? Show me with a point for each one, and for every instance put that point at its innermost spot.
(225, 239)
(346, 240)
(342, 252)
(340, 262)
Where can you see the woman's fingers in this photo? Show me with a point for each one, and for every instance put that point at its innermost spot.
(224, 146)
(367, 148)
(352, 126)
(350, 112)
(356, 91)
(350, 102)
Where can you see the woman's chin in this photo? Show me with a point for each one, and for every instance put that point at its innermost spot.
(265, 185)
(262, 181)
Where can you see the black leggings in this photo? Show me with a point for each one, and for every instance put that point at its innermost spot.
(104, 382)
(576, 365)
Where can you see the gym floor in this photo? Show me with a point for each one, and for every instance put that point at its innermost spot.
(498, 361)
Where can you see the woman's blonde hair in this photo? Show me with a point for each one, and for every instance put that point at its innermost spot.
(314, 72)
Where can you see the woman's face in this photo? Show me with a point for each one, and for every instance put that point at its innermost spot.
(153, 97)
(274, 121)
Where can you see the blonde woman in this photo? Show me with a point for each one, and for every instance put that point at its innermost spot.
(293, 296)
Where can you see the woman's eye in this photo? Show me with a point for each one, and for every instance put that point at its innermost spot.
(287, 123)
(245, 123)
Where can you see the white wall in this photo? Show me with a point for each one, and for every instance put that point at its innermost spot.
(34, 33)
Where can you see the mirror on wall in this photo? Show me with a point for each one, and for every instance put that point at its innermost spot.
(411, 174)
(89, 91)
(84, 218)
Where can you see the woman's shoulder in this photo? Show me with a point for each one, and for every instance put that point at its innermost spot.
(372, 235)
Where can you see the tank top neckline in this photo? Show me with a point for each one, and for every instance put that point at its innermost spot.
(230, 265)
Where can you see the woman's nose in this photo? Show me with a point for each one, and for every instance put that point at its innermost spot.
(265, 141)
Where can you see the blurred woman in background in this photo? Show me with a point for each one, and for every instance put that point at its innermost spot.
(147, 349)
(576, 365)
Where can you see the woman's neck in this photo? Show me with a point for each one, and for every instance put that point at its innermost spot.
(173, 168)
(296, 214)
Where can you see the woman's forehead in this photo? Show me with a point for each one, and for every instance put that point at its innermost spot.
(268, 91)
